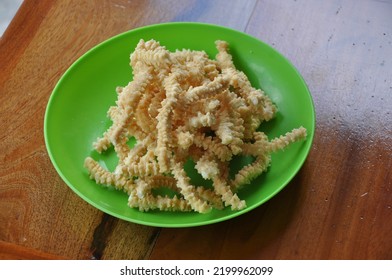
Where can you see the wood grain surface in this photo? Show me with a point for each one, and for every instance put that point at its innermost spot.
(11, 251)
(339, 206)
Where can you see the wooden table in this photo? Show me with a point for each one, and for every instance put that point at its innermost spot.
(339, 206)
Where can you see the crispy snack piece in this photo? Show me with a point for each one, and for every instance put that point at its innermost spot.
(183, 105)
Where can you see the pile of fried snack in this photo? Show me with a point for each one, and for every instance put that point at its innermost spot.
(183, 105)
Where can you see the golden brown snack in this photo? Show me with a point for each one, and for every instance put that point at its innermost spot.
(184, 106)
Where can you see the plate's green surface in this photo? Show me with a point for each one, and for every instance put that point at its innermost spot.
(76, 115)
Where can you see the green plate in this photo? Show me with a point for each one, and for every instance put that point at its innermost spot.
(76, 115)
